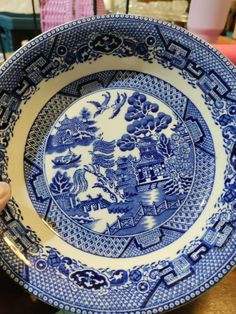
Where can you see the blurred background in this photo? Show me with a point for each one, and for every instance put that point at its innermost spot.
(213, 20)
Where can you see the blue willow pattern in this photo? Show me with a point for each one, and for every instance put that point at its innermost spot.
(148, 286)
(160, 158)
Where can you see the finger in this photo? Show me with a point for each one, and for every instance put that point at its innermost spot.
(4, 194)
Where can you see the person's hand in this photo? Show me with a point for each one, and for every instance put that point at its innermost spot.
(4, 194)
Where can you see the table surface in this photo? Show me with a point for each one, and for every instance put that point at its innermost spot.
(222, 40)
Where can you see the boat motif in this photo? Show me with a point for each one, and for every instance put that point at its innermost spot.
(66, 160)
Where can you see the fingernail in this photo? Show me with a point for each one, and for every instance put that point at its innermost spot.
(4, 189)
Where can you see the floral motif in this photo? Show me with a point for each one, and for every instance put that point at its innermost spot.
(105, 43)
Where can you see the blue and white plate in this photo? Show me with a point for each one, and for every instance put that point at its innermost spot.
(118, 137)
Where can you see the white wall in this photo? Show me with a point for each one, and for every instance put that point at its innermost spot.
(18, 6)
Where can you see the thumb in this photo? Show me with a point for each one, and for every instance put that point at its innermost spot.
(4, 194)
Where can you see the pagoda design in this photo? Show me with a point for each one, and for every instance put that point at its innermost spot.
(151, 165)
(72, 132)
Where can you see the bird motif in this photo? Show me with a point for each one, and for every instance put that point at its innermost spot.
(101, 107)
(119, 103)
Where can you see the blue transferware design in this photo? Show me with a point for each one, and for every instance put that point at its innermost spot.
(158, 121)
(101, 107)
(66, 161)
(147, 213)
(161, 169)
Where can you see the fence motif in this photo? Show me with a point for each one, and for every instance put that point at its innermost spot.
(130, 220)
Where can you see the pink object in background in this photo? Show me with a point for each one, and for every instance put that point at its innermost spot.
(229, 51)
(207, 18)
(56, 12)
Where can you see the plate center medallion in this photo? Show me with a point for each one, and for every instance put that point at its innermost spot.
(119, 162)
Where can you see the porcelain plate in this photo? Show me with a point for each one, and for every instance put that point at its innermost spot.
(118, 139)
